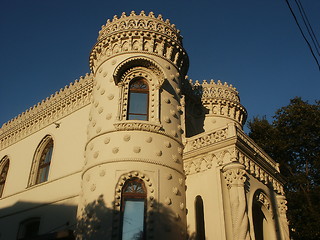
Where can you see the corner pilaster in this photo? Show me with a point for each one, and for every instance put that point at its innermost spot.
(234, 175)
(282, 209)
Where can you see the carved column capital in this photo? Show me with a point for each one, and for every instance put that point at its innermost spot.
(234, 174)
(282, 204)
(282, 208)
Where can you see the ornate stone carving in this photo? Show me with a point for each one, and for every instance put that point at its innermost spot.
(199, 164)
(50, 110)
(117, 198)
(141, 21)
(262, 198)
(282, 209)
(140, 33)
(219, 99)
(235, 178)
(208, 139)
(251, 144)
(136, 72)
(137, 125)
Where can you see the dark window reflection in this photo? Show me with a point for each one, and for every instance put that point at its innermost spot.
(138, 100)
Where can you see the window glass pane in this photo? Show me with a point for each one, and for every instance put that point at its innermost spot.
(137, 117)
(133, 219)
(138, 103)
(48, 155)
(43, 174)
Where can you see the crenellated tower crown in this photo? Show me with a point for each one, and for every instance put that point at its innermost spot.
(220, 102)
(142, 33)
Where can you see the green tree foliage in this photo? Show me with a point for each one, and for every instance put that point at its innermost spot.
(293, 139)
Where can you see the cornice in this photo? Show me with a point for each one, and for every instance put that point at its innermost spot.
(206, 150)
(58, 105)
(253, 148)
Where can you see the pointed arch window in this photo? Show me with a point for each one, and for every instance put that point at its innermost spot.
(133, 210)
(138, 100)
(4, 168)
(41, 162)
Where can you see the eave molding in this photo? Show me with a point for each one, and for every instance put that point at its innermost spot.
(68, 100)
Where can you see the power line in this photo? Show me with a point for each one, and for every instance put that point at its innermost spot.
(308, 25)
(303, 35)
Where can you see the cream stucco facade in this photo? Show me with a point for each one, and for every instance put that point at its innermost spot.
(71, 165)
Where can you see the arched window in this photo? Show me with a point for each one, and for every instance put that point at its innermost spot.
(199, 218)
(29, 229)
(138, 100)
(133, 210)
(4, 167)
(263, 217)
(41, 162)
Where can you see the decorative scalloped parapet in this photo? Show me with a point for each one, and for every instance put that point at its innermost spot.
(69, 99)
(139, 21)
(139, 33)
(220, 99)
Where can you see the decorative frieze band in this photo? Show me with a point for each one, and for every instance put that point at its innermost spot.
(135, 125)
(53, 108)
(232, 154)
(207, 139)
(139, 42)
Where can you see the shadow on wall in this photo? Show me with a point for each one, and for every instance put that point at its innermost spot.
(100, 222)
(97, 222)
(37, 221)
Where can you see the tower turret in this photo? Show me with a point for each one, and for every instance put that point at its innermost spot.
(211, 105)
(134, 150)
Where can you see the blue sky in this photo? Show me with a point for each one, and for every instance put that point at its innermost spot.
(253, 44)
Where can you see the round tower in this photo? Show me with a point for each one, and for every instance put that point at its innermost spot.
(133, 185)
(222, 103)
(213, 105)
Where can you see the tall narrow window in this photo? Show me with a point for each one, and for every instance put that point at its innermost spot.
(133, 210)
(138, 100)
(199, 218)
(29, 229)
(44, 163)
(4, 167)
(41, 162)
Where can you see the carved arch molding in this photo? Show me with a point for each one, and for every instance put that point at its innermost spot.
(117, 201)
(135, 68)
(121, 70)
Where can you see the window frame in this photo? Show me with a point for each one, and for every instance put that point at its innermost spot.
(139, 91)
(133, 197)
(4, 166)
(39, 163)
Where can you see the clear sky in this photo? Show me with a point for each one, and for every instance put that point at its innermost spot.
(253, 44)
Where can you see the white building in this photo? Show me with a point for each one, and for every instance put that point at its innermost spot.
(135, 150)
